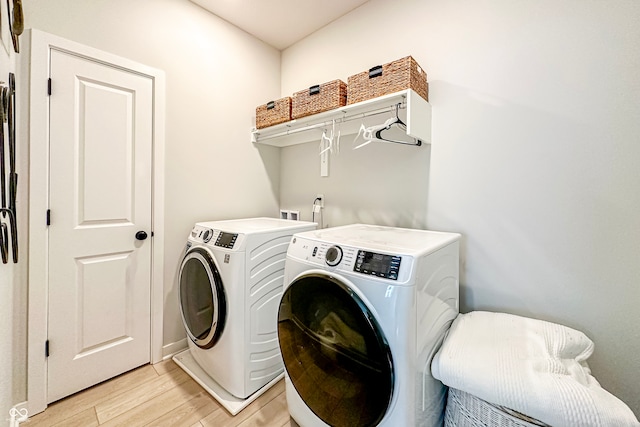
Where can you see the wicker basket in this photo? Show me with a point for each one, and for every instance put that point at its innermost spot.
(384, 79)
(319, 98)
(466, 410)
(273, 113)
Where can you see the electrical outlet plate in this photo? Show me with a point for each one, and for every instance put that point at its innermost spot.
(287, 214)
(321, 202)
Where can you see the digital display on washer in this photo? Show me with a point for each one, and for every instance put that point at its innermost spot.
(379, 265)
(226, 240)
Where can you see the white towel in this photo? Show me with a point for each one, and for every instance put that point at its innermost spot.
(534, 367)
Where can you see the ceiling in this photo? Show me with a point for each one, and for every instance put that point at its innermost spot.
(279, 23)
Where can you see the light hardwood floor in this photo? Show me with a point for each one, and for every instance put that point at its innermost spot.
(160, 395)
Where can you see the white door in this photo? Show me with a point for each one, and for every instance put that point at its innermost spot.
(101, 122)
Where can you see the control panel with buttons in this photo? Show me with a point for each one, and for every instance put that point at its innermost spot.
(226, 240)
(379, 265)
(215, 237)
(350, 259)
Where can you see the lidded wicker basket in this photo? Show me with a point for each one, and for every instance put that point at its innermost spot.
(319, 98)
(401, 74)
(273, 113)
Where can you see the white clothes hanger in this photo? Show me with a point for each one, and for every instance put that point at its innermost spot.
(366, 135)
(369, 134)
(329, 141)
(337, 138)
(333, 141)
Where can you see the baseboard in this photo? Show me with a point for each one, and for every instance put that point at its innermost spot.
(170, 350)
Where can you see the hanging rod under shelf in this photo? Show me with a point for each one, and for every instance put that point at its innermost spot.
(343, 119)
(418, 120)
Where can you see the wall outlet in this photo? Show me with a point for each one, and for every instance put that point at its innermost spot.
(292, 215)
(321, 201)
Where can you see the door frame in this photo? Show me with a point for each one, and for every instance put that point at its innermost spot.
(34, 108)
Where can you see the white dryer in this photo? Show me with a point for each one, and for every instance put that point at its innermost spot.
(364, 310)
(230, 285)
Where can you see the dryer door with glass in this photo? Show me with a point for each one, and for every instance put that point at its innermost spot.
(202, 298)
(334, 351)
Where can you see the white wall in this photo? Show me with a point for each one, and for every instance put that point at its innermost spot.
(215, 77)
(535, 155)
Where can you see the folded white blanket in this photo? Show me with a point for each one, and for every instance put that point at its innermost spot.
(534, 367)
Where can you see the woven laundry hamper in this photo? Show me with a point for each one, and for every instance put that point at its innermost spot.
(467, 410)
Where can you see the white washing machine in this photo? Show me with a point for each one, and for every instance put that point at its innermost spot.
(364, 310)
(230, 285)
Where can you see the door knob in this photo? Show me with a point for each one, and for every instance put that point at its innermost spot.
(141, 235)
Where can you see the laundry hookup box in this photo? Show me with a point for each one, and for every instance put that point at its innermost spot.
(319, 98)
(273, 112)
(401, 74)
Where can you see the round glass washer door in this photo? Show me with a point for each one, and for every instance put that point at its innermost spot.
(202, 298)
(334, 352)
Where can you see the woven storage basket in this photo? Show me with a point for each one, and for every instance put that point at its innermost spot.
(319, 98)
(404, 73)
(466, 410)
(273, 113)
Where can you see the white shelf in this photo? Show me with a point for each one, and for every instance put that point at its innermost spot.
(349, 118)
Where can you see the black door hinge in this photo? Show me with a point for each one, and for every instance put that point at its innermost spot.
(48, 216)
(46, 348)
(49, 86)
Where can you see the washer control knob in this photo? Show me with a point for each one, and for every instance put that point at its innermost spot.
(333, 256)
(207, 236)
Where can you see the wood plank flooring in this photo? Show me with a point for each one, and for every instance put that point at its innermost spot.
(160, 395)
